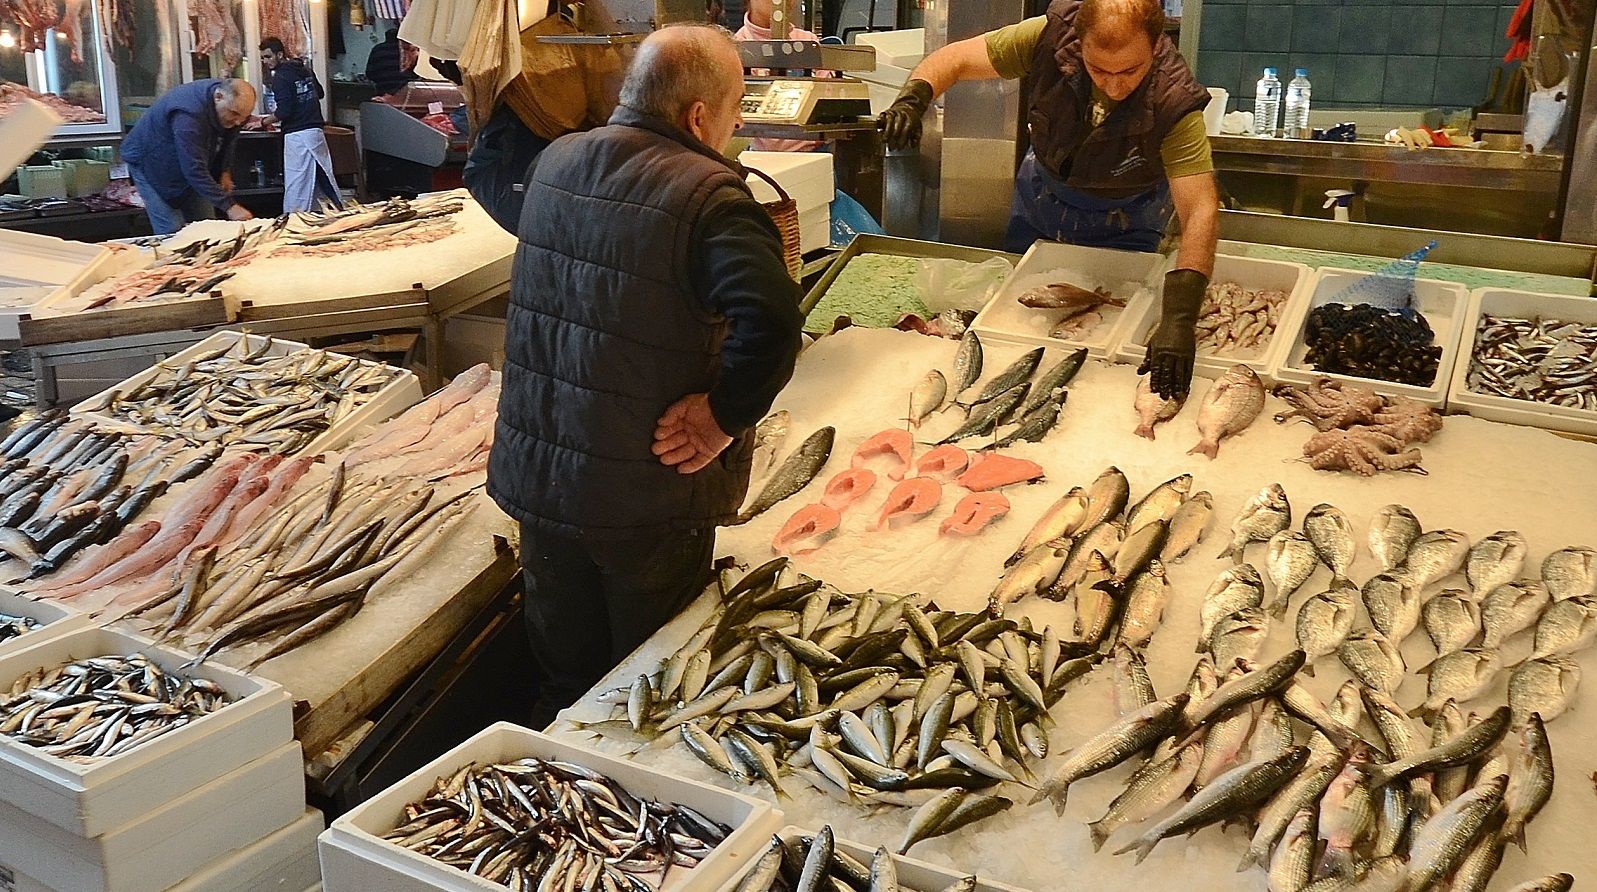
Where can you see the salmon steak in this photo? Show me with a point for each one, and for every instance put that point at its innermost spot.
(847, 488)
(894, 442)
(807, 530)
(975, 513)
(911, 500)
(993, 471)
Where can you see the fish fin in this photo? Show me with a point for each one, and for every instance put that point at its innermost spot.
(1250, 858)
(1204, 447)
(1518, 836)
(1308, 669)
(1099, 835)
(1142, 845)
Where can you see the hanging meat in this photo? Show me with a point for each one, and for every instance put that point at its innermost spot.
(116, 22)
(285, 20)
(34, 18)
(216, 30)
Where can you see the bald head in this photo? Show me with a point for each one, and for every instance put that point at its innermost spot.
(1112, 24)
(691, 76)
(235, 101)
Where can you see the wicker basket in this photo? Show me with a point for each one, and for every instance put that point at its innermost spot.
(785, 214)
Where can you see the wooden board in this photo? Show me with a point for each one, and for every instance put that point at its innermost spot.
(251, 310)
(471, 289)
(134, 319)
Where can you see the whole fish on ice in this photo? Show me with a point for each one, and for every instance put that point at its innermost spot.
(1232, 403)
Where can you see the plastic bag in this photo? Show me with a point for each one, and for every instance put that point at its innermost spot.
(948, 284)
(849, 218)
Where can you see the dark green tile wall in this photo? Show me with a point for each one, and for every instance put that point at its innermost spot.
(1360, 53)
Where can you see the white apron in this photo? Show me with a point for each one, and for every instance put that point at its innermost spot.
(303, 152)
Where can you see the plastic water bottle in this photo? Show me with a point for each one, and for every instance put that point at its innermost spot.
(1267, 104)
(1296, 123)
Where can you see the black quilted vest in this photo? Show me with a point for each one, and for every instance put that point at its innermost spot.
(1121, 155)
(604, 332)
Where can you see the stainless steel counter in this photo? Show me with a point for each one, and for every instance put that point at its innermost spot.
(1379, 162)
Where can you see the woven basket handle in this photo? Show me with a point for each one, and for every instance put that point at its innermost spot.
(771, 181)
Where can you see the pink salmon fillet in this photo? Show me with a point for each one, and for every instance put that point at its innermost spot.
(848, 487)
(808, 529)
(974, 513)
(913, 499)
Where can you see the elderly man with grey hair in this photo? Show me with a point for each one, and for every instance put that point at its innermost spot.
(652, 323)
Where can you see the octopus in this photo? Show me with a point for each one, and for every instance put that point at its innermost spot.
(1329, 405)
(1363, 450)
(1408, 420)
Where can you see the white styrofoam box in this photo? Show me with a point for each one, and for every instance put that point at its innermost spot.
(1520, 305)
(807, 177)
(1130, 275)
(1441, 303)
(283, 861)
(356, 859)
(402, 392)
(815, 229)
(89, 799)
(1272, 275)
(914, 875)
(36, 269)
(55, 619)
(903, 49)
(167, 843)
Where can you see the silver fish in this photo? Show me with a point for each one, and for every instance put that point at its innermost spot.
(1511, 608)
(1302, 792)
(1462, 676)
(1239, 635)
(1328, 529)
(1161, 504)
(1530, 780)
(769, 436)
(1062, 520)
(1475, 872)
(1393, 605)
(1393, 530)
(927, 397)
(1103, 539)
(1347, 813)
(1448, 723)
(1290, 560)
(1234, 792)
(1146, 597)
(1558, 882)
(1465, 747)
(1442, 842)
(967, 363)
(1013, 375)
(1232, 403)
(1261, 518)
(1133, 688)
(1570, 572)
(1545, 687)
(1053, 381)
(1223, 741)
(1434, 556)
(1106, 498)
(1292, 864)
(1187, 527)
(1115, 744)
(1325, 621)
(1495, 560)
(1149, 793)
(1236, 588)
(988, 415)
(1032, 575)
(1373, 660)
(1568, 626)
(795, 473)
(1452, 620)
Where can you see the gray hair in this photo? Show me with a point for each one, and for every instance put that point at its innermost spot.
(232, 89)
(676, 67)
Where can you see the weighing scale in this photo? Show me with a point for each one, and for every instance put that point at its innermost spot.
(804, 101)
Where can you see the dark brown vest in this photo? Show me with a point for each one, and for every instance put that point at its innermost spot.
(605, 331)
(1120, 156)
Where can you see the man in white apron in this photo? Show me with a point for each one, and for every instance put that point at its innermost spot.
(307, 164)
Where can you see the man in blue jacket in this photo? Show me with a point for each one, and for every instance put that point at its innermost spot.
(180, 154)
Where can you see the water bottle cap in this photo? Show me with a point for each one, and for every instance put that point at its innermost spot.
(1303, 72)
(1269, 72)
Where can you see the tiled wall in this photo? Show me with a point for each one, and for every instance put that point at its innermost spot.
(1360, 53)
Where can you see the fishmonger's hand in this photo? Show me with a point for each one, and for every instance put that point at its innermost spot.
(1173, 346)
(687, 436)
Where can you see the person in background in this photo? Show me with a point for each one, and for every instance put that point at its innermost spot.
(714, 11)
(757, 26)
(1117, 137)
(385, 66)
(652, 323)
(307, 164)
(180, 153)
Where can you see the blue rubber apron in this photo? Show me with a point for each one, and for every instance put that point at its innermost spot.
(1045, 208)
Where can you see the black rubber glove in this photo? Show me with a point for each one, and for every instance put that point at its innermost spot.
(900, 124)
(1174, 343)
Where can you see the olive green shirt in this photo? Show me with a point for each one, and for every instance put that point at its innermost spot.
(1184, 150)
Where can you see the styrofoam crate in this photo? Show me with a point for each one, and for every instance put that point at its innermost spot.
(914, 875)
(281, 862)
(356, 859)
(1442, 303)
(399, 394)
(807, 177)
(1523, 305)
(1251, 273)
(815, 229)
(168, 843)
(1131, 275)
(94, 798)
(55, 619)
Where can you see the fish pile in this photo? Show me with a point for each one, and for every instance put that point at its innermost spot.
(67, 485)
(1359, 430)
(396, 223)
(1082, 310)
(1368, 800)
(192, 271)
(868, 698)
(103, 706)
(545, 824)
(244, 395)
(798, 863)
(258, 550)
(1541, 360)
(1232, 403)
(15, 626)
(1370, 342)
(1234, 320)
(1106, 555)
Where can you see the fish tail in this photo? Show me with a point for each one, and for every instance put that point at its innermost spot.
(1143, 846)
(1145, 431)
(1099, 835)
(1206, 447)
(1517, 835)
(1251, 858)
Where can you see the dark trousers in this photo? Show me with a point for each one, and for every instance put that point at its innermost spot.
(591, 603)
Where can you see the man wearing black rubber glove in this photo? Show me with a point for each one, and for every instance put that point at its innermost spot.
(1117, 143)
